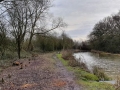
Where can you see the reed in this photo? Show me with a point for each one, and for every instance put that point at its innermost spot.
(117, 85)
(99, 72)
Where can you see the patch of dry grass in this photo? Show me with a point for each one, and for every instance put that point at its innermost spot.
(59, 83)
(117, 85)
(100, 73)
(67, 54)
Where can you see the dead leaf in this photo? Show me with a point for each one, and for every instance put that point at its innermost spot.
(28, 85)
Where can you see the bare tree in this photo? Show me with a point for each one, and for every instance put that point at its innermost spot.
(38, 10)
(18, 20)
(28, 16)
(65, 40)
(3, 37)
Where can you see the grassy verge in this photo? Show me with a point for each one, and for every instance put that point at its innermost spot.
(86, 79)
(10, 57)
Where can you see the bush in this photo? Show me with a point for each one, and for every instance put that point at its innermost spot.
(73, 63)
(67, 54)
(100, 73)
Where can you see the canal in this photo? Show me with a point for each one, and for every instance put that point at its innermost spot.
(110, 63)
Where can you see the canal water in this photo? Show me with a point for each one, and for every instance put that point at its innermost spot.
(110, 63)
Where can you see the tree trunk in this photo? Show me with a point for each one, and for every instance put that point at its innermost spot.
(19, 49)
(30, 42)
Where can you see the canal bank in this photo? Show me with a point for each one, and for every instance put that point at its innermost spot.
(86, 79)
(110, 63)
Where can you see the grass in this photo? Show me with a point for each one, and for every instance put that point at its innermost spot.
(10, 57)
(93, 85)
(67, 55)
(100, 73)
(86, 79)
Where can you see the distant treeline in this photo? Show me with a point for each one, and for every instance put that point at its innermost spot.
(53, 43)
(106, 34)
(83, 46)
(40, 43)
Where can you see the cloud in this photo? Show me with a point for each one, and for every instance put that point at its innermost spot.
(82, 15)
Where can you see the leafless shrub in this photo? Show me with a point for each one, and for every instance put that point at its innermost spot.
(73, 63)
(117, 85)
(67, 54)
(100, 73)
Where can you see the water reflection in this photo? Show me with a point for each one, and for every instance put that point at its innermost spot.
(111, 64)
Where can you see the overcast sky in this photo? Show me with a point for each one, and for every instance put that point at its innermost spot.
(82, 15)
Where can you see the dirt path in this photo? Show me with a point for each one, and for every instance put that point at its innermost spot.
(66, 75)
(43, 73)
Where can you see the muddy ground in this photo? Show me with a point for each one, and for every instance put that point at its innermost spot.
(44, 72)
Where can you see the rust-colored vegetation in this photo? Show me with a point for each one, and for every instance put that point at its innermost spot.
(59, 83)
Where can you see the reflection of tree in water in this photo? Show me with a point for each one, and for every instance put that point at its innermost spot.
(110, 65)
